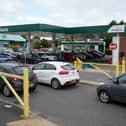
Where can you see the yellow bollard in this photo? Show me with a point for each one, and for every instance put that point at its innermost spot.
(26, 93)
(123, 65)
(117, 69)
(75, 63)
(79, 63)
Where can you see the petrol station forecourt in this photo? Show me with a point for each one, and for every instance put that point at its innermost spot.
(83, 33)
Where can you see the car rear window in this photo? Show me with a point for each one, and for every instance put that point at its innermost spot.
(19, 70)
(68, 67)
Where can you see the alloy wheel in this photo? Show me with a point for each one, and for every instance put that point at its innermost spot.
(104, 97)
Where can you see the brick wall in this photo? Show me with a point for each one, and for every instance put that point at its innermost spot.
(122, 46)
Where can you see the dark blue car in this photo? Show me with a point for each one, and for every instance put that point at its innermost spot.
(113, 90)
(16, 69)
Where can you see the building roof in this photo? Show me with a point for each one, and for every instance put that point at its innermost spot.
(10, 37)
(55, 29)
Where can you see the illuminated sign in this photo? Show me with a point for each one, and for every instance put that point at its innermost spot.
(117, 29)
(3, 29)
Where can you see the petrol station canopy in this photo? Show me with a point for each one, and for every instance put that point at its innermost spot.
(55, 29)
(79, 33)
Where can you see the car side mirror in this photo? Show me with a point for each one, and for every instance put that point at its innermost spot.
(116, 80)
(33, 68)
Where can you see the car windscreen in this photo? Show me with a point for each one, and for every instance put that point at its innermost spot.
(19, 70)
(68, 67)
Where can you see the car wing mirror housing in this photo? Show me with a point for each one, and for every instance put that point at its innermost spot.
(116, 80)
(33, 68)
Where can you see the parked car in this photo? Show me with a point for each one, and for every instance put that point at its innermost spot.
(5, 58)
(56, 73)
(10, 55)
(17, 84)
(113, 89)
(29, 58)
(95, 53)
(68, 56)
(46, 57)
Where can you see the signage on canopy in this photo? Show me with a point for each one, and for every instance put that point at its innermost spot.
(112, 46)
(3, 29)
(116, 29)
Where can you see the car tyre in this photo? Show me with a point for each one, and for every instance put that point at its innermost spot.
(6, 91)
(104, 97)
(55, 84)
(33, 89)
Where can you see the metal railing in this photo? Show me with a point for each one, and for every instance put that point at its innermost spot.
(25, 102)
(78, 64)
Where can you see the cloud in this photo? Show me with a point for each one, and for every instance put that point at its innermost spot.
(13, 6)
(62, 12)
(80, 12)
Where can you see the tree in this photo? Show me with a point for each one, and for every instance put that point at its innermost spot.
(113, 22)
(37, 44)
(36, 37)
(45, 43)
(121, 22)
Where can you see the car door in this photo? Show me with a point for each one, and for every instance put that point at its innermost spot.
(1, 80)
(39, 71)
(118, 90)
(49, 72)
(122, 88)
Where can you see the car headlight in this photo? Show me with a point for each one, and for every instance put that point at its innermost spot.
(101, 83)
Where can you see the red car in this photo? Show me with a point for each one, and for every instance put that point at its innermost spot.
(68, 56)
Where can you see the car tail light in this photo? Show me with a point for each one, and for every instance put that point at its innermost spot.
(63, 72)
(14, 79)
(35, 76)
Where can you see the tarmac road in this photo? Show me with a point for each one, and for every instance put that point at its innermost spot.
(76, 106)
(8, 113)
(72, 106)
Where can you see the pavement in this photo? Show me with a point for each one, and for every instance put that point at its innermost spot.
(12, 116)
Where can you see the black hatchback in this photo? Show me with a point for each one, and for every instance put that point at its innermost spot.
(113, 90)
(17, 84)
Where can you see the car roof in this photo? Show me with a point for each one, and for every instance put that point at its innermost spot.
(56, 63)
(10, 65)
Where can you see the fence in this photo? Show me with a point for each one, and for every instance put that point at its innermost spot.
(117, 68)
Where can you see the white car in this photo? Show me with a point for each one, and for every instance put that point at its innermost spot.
(56, 73)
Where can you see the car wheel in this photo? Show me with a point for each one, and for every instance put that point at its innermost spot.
(6, 91)
(55, 84)
(33, 88)
(104, 97)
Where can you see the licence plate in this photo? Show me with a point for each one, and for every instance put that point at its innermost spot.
(30, 85)
(73, 81)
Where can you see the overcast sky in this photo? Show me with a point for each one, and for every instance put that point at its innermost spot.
(62, 12)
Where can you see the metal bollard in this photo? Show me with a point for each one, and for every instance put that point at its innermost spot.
(123, 65)
(26, 93)
(117, 69)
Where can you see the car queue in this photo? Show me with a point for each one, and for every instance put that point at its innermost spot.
(56, 74)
